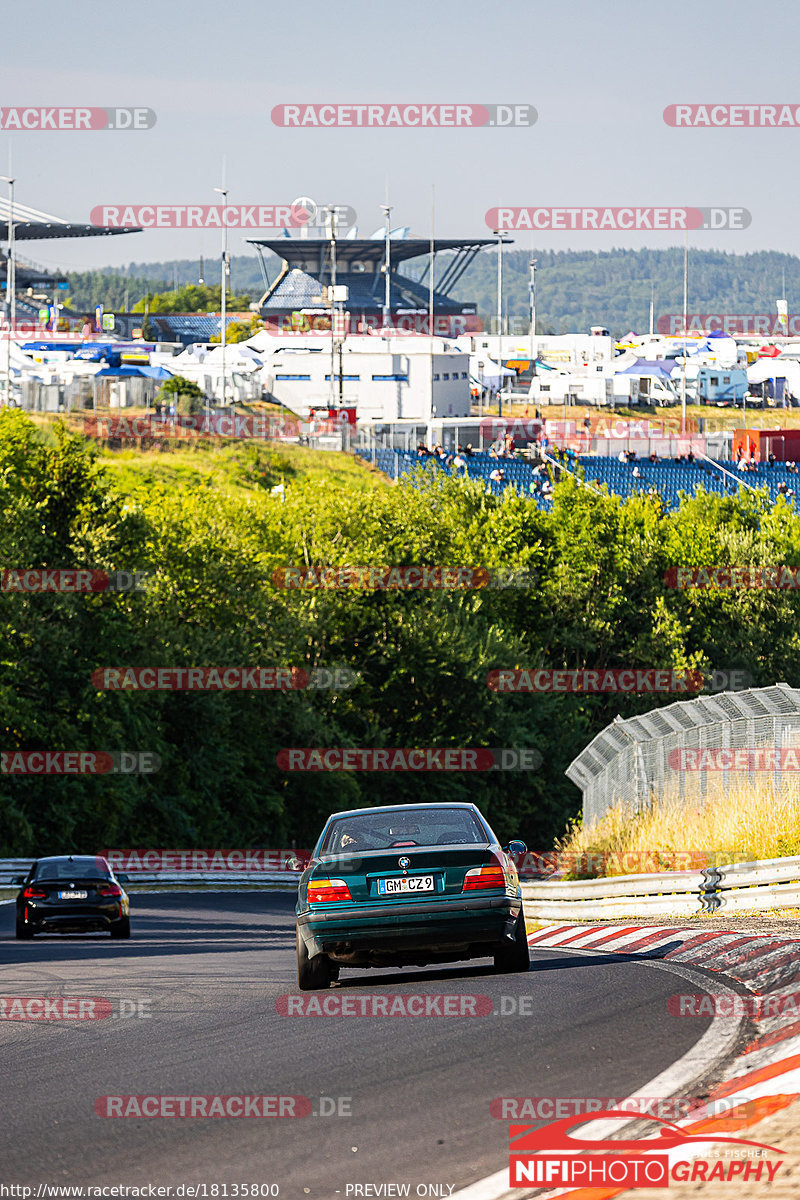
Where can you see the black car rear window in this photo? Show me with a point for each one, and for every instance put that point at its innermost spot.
(62, 868)
(395, 828)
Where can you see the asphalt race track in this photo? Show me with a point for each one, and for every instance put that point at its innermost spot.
(209, 968)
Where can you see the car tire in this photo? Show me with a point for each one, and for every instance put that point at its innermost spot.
(23, 931)
(514, 955)
(313, 974)
(120, 928)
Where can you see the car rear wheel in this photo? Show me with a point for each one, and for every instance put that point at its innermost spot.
(514, 955)
(23, 930)
(121, 928)
(313, 974)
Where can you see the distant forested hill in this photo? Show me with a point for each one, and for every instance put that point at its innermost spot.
(574, 288)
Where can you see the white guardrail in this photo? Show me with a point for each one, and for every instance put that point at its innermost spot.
(12, 867)
(749, 886)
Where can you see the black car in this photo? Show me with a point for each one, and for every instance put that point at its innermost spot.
(78, 893)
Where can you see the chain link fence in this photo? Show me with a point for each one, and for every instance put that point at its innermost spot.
(635, 761)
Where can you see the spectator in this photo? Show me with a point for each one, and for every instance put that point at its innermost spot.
(653, 458)
(770, 459)
(547, 488)
(622, 456)
(468, 450)
(637, 474)
(460, 463)
(690, 457)
(783, 488)
(497, 475)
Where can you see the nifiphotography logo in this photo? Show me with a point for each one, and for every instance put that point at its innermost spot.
(550, 1157)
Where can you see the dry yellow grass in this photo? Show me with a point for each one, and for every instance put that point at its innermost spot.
(737, 822)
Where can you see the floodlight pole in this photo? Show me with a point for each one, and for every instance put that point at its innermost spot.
(685, 323)
(499, 236)
(224, 289)
(533, 265)
(332, 213)
(10, 284)
(387, 212)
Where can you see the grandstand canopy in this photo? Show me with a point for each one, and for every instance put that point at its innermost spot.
(306, 253)
(307, 267)
(32, 225)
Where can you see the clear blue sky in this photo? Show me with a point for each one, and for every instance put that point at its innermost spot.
(599, 74)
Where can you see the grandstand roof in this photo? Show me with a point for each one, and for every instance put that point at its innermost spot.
(313, 251)
(32, 225)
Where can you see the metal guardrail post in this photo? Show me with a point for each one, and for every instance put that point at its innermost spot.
(709, 891)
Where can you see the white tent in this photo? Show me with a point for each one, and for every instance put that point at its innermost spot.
(491, 374)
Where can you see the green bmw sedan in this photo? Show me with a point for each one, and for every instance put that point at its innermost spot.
(407, 886)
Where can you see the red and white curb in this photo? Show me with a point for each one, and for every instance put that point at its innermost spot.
(765, 1076)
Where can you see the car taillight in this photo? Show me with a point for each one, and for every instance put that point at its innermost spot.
(110, 889)
(328, 891)
(32, 893)
(484, 877)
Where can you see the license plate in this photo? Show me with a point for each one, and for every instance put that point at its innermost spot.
(73, 895)
(405, 883)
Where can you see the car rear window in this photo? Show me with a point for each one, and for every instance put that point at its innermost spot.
(395, 828)
(64, 869)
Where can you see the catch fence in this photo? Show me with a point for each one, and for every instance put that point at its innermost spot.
(634, 761)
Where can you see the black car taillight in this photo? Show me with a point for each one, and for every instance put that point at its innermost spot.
(110, 889)
(32, 893)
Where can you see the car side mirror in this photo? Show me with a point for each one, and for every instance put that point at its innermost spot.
(123, 877)
(17, 880)
(516, 847)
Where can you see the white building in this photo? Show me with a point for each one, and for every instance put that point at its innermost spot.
(386, 379)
